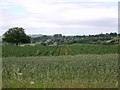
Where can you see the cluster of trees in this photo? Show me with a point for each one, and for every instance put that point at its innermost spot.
(17, 36)
(108, 38)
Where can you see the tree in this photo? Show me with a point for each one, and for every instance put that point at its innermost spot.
(113, 34)
(16, 35)
(57, 36)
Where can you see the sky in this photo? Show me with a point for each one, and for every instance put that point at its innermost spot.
(67, 17)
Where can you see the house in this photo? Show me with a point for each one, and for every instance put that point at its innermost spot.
(55, 43)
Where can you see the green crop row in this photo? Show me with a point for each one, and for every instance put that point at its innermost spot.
(25, 51)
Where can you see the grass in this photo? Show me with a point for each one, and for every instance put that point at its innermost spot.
(78, 71)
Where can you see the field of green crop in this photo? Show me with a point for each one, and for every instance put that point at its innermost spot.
(68, 66)
(81, 71)
(25, 51)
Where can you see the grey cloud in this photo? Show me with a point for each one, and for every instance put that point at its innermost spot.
(108, 22)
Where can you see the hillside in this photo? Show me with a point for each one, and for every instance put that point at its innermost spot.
(59, 39)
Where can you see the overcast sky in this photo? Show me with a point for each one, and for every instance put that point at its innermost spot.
(67, 17)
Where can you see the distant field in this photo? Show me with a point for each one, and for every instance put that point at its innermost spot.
(25, 51)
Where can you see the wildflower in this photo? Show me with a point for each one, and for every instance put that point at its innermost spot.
(18, 69)
(32, 82)
(20, 74)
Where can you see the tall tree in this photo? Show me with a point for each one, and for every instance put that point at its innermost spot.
(16, 35)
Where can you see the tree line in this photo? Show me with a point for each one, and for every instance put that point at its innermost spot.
(108, 38)
(17, 35)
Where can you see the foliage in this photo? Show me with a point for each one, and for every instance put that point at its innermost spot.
(89, 39)
(16, 35)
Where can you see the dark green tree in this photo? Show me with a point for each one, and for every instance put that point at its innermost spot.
(16, 35)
